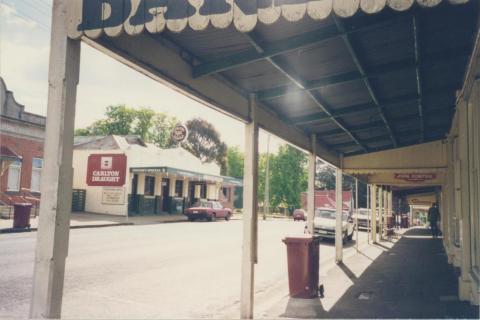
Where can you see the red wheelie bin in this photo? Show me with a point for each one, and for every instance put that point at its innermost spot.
(303, 266)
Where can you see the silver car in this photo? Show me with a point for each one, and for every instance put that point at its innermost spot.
(324, 224)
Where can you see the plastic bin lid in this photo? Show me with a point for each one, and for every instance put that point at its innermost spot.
(22, 204)
(303, 238)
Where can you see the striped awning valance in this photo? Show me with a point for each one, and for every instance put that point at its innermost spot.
(93, 18)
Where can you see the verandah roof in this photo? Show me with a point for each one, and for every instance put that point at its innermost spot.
(365, 83)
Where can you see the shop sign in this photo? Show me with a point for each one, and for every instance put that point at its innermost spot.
(415, 177)
(113, 195)
(179, 133)
(106, 170)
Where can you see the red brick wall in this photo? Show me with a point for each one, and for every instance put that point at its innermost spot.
(26, 148)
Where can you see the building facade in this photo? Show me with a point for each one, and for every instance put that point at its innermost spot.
(21, 139)
(156, 181)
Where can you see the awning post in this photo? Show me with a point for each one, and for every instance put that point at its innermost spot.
(368, 213)
(56, 188)
(338, 224)
(380, 212)
(250, 220)
(312, 167)
(356, 213)
(373, 199)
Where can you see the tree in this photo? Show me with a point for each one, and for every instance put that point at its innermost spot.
(234, 162)
(288, 176)
(122, 120)
(204, 142)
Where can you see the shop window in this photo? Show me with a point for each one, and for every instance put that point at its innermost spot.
(226, 193)
(203, 191)
(149, 189)
(14, 174)
(37, 165)
(179, 188)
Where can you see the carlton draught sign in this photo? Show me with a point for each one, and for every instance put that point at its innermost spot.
(106, 170)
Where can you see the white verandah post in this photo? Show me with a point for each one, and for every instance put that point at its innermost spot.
(250, 219)
(56, 188)
(373, 199)
(339, 213)
(312, 160)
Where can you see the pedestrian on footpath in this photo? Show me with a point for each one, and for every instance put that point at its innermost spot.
(434, 217)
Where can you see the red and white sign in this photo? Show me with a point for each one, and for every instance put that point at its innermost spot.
(106, 170)
(415, 177)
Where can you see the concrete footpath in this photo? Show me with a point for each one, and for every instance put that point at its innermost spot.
(407, 277)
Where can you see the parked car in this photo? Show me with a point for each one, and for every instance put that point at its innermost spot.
(324, 224)
(210, 210)
(299, 215)
(364, 219)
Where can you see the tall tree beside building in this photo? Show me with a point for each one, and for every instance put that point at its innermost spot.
(288, 176)
(151, 126)
(234, 162)
(204, 142)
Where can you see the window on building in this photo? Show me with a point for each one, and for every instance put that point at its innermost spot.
(226, 193)
(14, 174)
(203, 191)
(149, 189)
(37, 165)
(178, 188)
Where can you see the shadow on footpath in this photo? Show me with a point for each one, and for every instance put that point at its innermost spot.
(411, 280)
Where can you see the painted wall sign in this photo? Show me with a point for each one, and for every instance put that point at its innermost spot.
(113, 195)
(415, 177)
(179, 133)
(93, 17)
(106, 170)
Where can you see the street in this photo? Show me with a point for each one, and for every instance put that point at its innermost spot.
(175, 270)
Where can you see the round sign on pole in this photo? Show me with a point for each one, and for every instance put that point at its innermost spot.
(179, 133)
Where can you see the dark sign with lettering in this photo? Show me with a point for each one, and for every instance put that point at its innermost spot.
(106, 170)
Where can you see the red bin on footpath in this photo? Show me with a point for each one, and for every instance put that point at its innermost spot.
(21, 215)
(303, 266)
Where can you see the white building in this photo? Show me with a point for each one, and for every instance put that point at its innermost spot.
(156, 180)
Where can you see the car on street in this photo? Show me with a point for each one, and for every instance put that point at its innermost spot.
(299, 215)
(209, 210)
(324, 224)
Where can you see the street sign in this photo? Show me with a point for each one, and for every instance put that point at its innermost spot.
(179, 133)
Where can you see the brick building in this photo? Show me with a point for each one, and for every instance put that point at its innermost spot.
(21, 149)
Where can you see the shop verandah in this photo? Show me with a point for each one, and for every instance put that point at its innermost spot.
(342, 85)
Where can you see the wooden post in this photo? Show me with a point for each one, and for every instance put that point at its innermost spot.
(368, 214)
(373, 198)
(380, 212)
(56, 201)
(356, 212)
(312, 167)
(338, 222)
(386, 211)
(250, 220)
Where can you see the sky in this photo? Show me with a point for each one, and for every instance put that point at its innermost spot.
(24, 51)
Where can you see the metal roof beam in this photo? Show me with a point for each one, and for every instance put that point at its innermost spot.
(401, 65)
(280, 47)
(361, 69)
(286, 70)
(416, 36)
(387, 137)
(380, 124)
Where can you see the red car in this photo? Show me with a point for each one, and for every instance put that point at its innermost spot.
(299, 215)
(210, 210)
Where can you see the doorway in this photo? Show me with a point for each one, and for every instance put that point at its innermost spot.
(165, 194)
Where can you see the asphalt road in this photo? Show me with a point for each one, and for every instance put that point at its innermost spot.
(179, 270)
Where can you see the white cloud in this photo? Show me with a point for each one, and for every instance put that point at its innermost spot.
(10, 16)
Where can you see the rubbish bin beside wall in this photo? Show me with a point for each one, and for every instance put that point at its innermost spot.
(303, 266)
(21, 215)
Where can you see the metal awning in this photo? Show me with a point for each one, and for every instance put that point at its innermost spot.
(112, 17)
(186, 174)
(361, 84)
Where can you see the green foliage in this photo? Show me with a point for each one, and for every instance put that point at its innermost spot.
(122, 120)
(204, 142)
(288, 176)
(234, 162)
